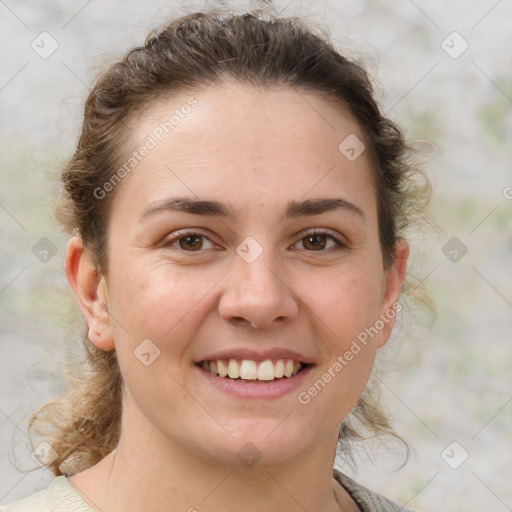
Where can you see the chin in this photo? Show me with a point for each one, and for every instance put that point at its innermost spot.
(257, 444)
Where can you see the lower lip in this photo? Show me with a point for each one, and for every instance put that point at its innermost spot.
(261, 389)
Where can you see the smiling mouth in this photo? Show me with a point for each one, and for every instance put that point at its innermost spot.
(253, 371)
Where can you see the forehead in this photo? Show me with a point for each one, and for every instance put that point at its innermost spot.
(247, 142)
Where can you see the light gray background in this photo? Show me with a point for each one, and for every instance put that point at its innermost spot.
(452, 383)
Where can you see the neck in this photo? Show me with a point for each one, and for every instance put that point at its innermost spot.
(146, 472)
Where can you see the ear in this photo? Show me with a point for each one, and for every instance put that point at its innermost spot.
(393, 281)
(90, 289)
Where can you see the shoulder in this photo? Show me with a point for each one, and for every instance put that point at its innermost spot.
(60, 496)
(367, 500)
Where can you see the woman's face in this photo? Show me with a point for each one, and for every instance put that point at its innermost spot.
(246, 236)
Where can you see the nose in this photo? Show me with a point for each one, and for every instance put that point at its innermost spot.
(257, 294)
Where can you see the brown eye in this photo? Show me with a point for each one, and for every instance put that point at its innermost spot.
(319, 242)
(191, 242)
(315, 242)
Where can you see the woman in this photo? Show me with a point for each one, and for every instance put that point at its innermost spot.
(238, 205)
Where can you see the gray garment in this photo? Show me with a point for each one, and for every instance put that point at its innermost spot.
(368, 501)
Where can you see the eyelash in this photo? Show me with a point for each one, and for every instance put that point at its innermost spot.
(313, 232)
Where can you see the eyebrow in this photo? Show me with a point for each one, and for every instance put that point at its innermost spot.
(293, 209)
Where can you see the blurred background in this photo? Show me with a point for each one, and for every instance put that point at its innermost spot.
(444, 72)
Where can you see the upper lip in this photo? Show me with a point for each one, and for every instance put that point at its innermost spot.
(257, 355)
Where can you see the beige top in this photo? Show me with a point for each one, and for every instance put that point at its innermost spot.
(61, 496)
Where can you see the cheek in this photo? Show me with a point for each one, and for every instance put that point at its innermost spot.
(347, 305)
(346, 300)
(159, 301)
(155, 311)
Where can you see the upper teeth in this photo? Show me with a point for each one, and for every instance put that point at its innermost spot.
(251, 370)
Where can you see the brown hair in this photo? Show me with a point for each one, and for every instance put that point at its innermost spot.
(194, 51)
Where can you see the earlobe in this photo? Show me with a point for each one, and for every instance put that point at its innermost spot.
(90, 289)
(393, 281)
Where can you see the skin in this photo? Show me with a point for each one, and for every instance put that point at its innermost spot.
(256, 149)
